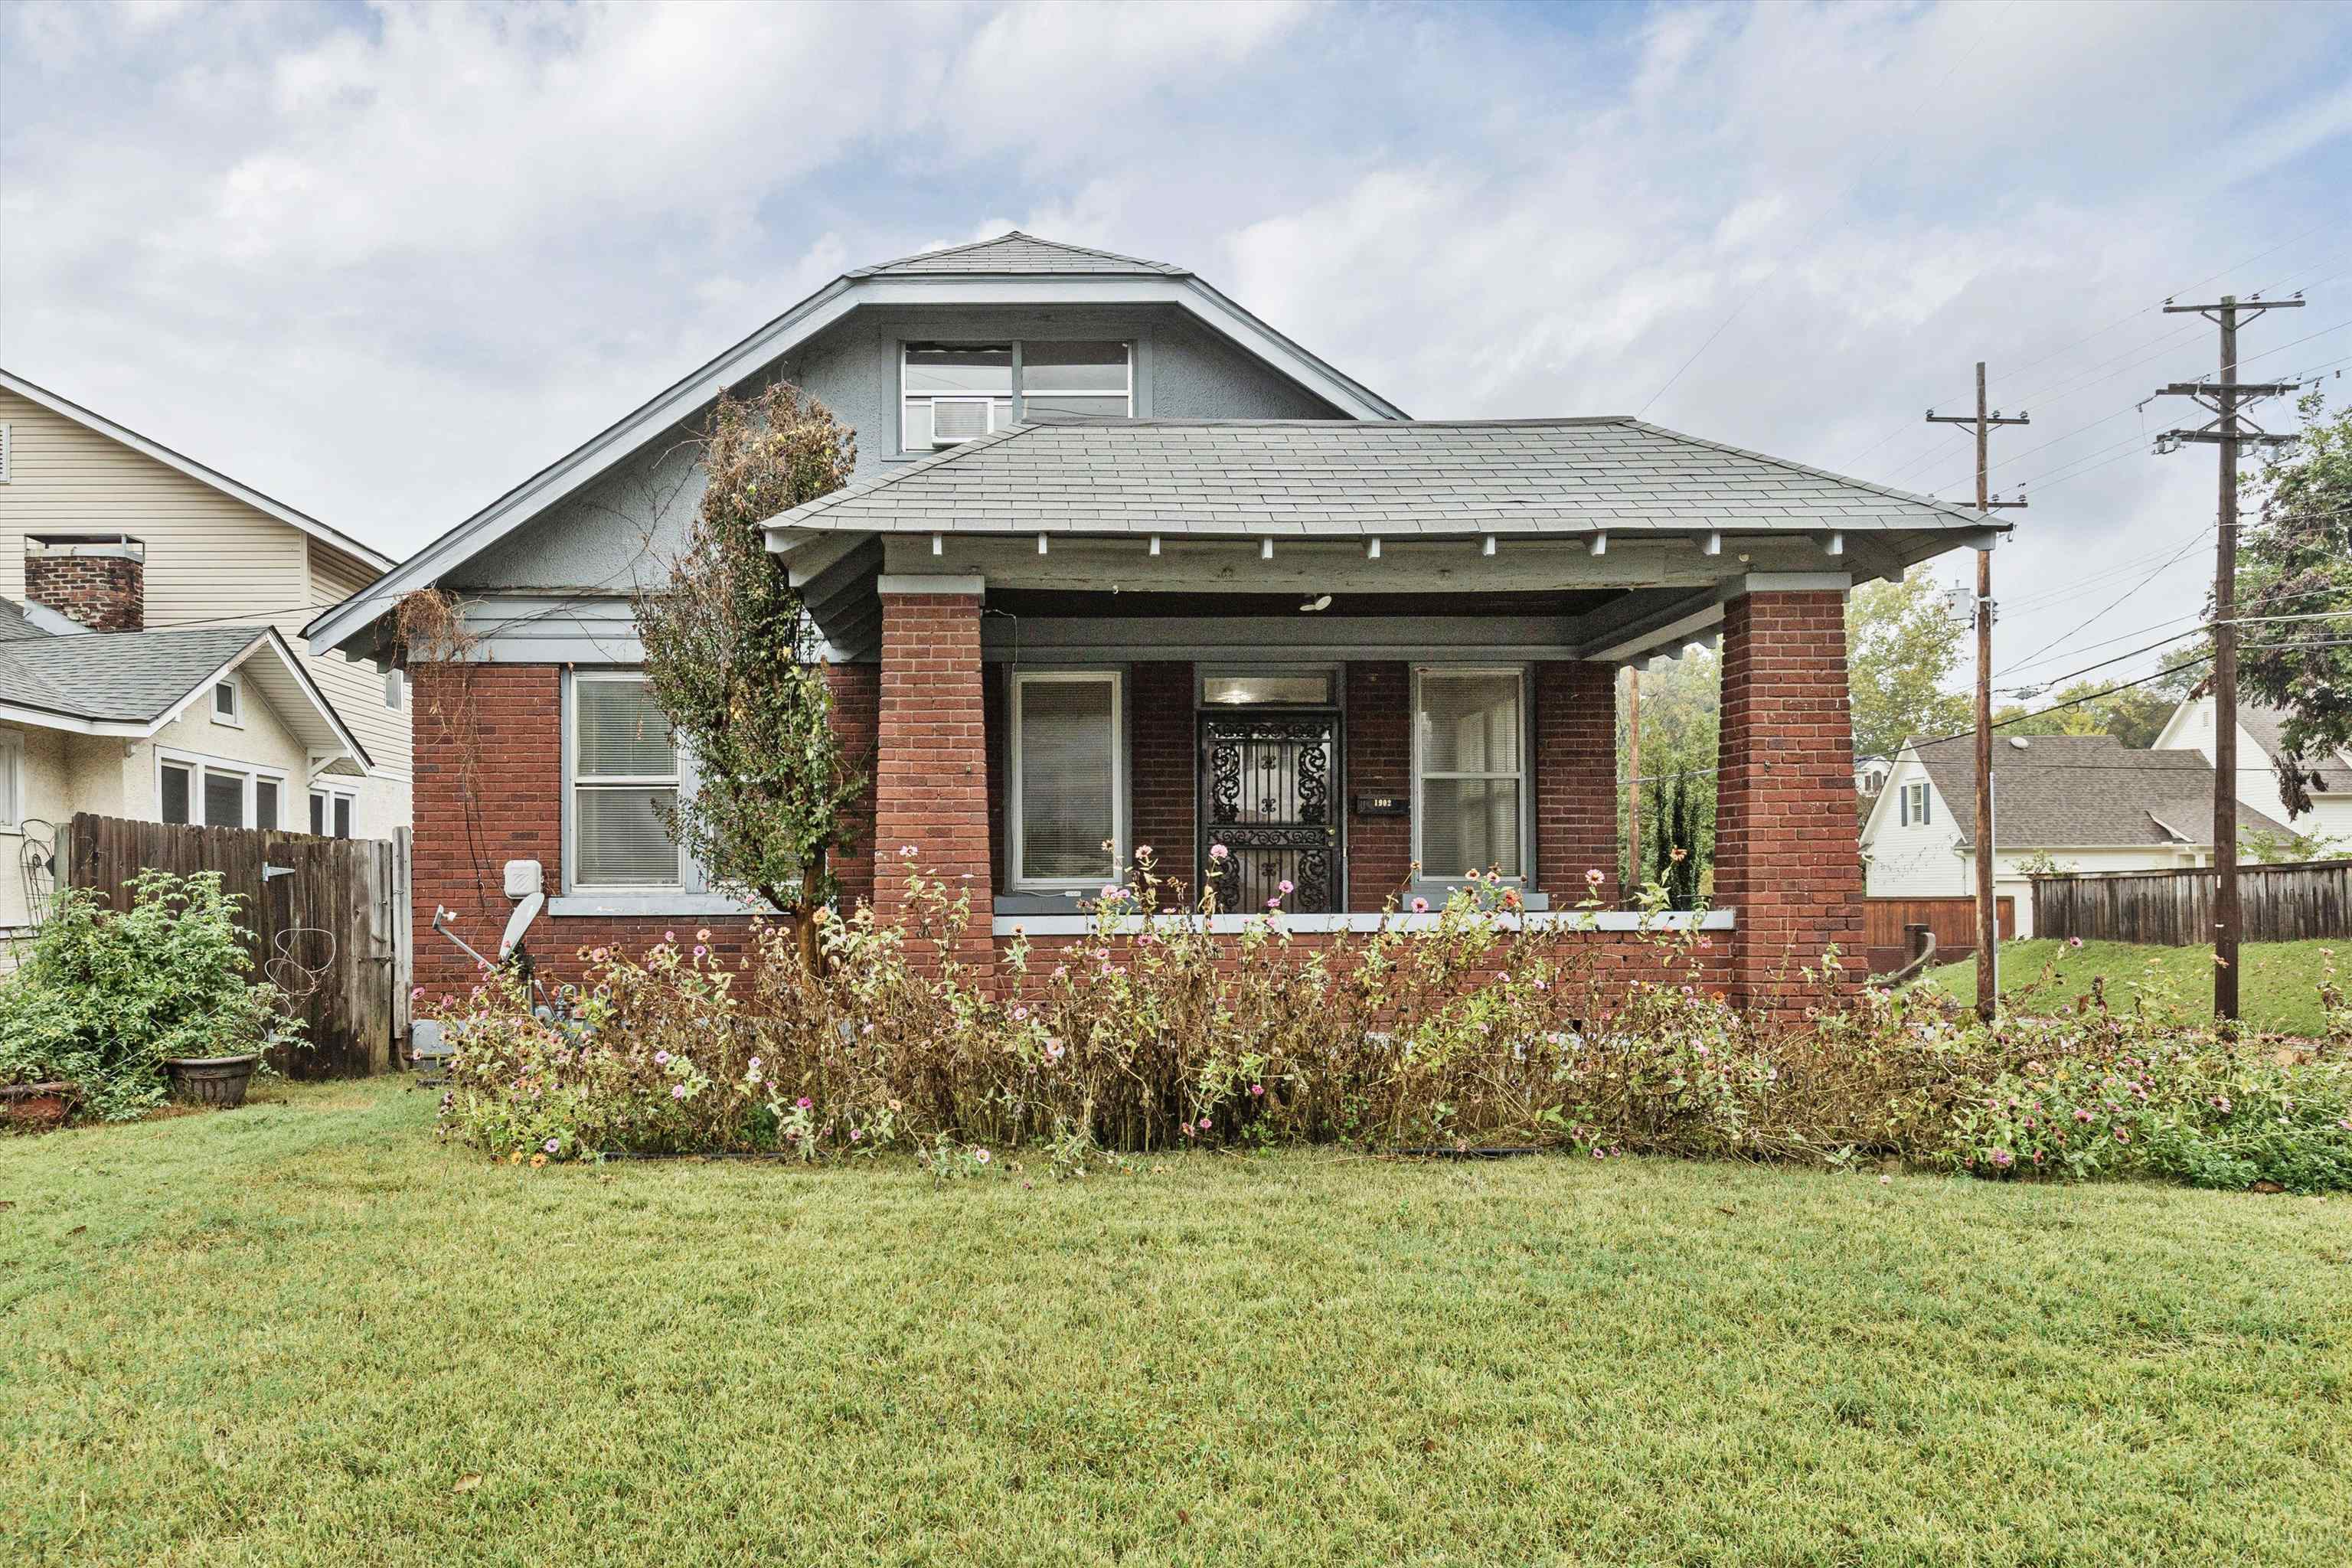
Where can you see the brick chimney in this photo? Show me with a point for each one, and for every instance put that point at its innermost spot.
(99, 581)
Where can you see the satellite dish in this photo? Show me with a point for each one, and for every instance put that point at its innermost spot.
(519, 921)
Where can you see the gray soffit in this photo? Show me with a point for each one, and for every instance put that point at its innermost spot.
(1017, 269)
(1354, 479)
(2083, 791)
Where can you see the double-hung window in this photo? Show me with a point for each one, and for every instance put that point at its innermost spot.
(1067, 766)
(953, 393)
(1914, 805)
(626, 778)
(12, 779)
(1470, 782)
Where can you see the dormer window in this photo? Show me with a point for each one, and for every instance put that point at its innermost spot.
(954, 393)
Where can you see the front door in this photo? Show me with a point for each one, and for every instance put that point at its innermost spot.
(1270, 800)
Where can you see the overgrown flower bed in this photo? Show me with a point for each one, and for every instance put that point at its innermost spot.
(1472, 1033)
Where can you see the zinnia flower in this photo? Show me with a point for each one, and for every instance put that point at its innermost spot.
(677, 1091)
(552, 1145)
(1283, 886)
(981, 1155)
(661, 1058)
(1593, 876)
(1217, 851)
(537, 1161)
(1421, 906)
(804, 1102)
(906, 851)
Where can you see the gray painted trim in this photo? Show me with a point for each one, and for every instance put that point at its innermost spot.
(1786, 583)
(909, 582)
(686, 906)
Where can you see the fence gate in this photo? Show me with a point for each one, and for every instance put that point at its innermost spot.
(1268, 777)
(327, 920)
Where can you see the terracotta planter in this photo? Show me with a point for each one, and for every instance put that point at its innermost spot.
(37, 1107)
(211, 1081)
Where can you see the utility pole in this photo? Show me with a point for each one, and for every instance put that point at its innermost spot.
(1633, 769)
(2226, 398)
(1988, 912)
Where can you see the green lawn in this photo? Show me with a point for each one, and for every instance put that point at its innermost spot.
(2278, 984)
(304, 1332)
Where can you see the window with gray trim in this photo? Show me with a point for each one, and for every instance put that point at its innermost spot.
(624, 780)
(954, 393)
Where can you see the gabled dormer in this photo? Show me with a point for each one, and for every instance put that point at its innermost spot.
(917, 355)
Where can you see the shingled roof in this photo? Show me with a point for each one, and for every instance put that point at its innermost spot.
(2082, 791)
(117, 676)
(1356, 478)
(1019, 253)
(2266, 726)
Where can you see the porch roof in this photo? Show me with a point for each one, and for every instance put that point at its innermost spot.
(1358, 479)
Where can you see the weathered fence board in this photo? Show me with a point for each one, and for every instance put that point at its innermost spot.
(2303, 903)
(1954, 921)
(327, 919)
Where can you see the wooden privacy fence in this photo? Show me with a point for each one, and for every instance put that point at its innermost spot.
(325, 915)
(1954, 921)
(2303, 902)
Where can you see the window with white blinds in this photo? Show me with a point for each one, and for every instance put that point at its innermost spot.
(1067, 772)
(624, 780)
(1469, 771)
(11, 778)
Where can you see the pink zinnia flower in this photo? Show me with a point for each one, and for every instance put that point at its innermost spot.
(981, 1155)
(1421, 906)
(661, 1058)
(677, 1091)
(804, 1102)
(1257, 1089)
(1284, 886)
(1593, 876)
(1217, 851)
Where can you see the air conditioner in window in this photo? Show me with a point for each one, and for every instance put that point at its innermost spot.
(955, 420)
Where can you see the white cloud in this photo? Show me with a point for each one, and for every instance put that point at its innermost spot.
(293, 240)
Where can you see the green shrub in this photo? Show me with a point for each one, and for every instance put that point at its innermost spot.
(105, 998)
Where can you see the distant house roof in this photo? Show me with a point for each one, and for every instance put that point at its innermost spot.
(302, 522)
(1399, 479)
(1016, 253)
(132, 684)
(2080, 792)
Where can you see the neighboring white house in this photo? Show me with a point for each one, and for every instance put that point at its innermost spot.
(120, 534)
(2073, 803)
(220, 726)
(2190, 729)
(1870, 777)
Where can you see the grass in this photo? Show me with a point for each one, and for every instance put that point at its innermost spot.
(2278, 984)
(304, 1332)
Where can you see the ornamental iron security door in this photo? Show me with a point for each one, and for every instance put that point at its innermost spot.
(1271, 793)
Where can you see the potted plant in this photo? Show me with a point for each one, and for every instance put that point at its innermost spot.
(252, 1021)
(132, 1003)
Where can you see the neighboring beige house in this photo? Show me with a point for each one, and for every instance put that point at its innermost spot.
(103, 527)
(2069, 802)
(2190, 729)
(212, 725)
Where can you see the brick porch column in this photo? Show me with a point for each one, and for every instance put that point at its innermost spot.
(1576, 797)
(931, 766)
(1787, 854)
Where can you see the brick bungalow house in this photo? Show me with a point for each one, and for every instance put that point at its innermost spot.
(1121, 562)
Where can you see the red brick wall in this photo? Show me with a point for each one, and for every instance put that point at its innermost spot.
(1380, 762)
(104, 592)
(931, 779)
(1575, 710)
(1787, 838)
(1621, 956)
(857, 715)
(512, 809)
(1163, 751)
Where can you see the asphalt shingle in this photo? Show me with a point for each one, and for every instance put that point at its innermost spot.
(2082, 791)
(116, 677)
(1016, 252)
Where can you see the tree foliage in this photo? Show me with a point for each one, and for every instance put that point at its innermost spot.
(1903, 648)
(1681, 716)
(729, 655)
(2296, 560)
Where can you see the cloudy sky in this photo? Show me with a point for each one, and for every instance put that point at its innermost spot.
(383, 261)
